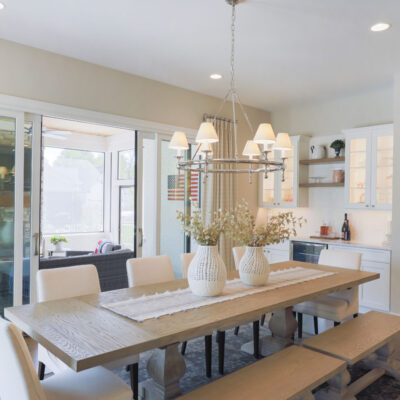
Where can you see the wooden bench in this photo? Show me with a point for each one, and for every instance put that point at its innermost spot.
(289, 374)
(369, 338)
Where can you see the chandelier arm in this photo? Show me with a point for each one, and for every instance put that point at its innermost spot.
(276, 164)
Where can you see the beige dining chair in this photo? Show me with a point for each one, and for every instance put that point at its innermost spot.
(67, 282)
(186, 259)
(336, 306)
(18, 378)
(149, 270)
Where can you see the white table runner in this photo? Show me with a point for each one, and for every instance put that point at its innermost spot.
(168, 303)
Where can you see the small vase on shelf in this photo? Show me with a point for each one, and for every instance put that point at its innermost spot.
(254, 267)
(207, 272)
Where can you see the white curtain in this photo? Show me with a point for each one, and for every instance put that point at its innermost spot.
(220, 190)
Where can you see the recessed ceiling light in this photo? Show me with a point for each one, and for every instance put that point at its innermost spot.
(215, 76)
(380, 27)
(1, 6)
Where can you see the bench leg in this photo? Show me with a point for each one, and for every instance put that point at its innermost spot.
(256, 339)
(262, 320)
(385, 358)
(236, 331)
(183, 347)
(337, 388)
(41, 371)
(166, 366)
(316, 325)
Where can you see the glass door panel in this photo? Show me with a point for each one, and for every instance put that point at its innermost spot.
(358, 171)
(384, 170)
(7, 209)
(287, 187)
(127, 217)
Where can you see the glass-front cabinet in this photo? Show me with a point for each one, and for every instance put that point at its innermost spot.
(369, 167)
(275, 193)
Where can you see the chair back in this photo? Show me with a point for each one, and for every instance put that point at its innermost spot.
(186, 259)
(149, 270)
(18, 379)
(61, 283)
(238, 253)
(343, 259)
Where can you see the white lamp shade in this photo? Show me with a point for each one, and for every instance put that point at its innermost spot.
(251, 149)
(283, 142)
(206, 133)
(179, 141)
(265, 134)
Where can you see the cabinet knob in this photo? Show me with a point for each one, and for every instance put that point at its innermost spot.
(366, 205)
(373, 205)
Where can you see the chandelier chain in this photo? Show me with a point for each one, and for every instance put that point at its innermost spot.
(233, 46)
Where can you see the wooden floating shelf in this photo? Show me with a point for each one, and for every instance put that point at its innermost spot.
(323, 161)
(322, 184)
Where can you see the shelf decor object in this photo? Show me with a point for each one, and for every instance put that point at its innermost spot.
(321, 184)
(203, 160)
(323, 161)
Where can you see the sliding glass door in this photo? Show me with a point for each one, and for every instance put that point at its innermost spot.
(18, 139)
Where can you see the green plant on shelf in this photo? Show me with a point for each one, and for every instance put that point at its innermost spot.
(337, 145)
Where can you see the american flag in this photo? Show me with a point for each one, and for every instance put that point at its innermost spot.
(176, 187)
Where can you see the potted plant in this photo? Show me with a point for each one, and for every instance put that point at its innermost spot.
(207, 271)
(254, 267)
(56, 240)
(337, 145)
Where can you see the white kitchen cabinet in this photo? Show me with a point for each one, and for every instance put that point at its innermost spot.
(375, 294)
(369, 167)
(277, 252)
(273, 193)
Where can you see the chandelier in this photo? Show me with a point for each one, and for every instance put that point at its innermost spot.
(257, 161)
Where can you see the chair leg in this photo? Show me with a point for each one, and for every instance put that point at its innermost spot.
(256, 338)
(208, 345)
(134, 376)
(299, 325)
(236, 331)
(316, 325)
(336, 323)
(221, 351)
(41, 370)
(183, 347)
(355, 315)
(263, 320)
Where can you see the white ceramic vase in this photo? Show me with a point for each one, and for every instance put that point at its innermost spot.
(207, 272)
(254, 267)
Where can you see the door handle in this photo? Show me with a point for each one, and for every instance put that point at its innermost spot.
(36, 237)
(140, 234)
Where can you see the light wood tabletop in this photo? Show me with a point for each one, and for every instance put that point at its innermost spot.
(83, 334)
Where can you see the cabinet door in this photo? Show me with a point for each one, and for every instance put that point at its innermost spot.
(376, 294)
(358, 170)
(382, 168)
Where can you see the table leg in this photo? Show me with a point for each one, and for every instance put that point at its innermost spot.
(166, 366)
(283, 326)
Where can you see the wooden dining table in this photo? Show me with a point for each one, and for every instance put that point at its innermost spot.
(83, 334)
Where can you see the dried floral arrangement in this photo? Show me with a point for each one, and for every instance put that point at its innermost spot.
(243, 230)
(205, 234)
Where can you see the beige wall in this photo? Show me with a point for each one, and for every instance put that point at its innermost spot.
(329, 117)
(395, 273)
(35, 74)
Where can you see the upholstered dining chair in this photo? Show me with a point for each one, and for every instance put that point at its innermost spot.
(336, 306)
(66, 282)
(18, 379)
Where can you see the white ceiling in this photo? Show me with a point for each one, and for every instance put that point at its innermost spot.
(287, 50)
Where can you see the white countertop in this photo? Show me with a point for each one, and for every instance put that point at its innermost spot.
(343, 243)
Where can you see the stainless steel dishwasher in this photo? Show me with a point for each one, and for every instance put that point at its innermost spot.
(306, 251)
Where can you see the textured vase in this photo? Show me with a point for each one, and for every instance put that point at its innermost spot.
(207, 272)
(254, 267)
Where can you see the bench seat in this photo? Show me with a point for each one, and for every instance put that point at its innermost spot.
(289, 374)
(369, 338)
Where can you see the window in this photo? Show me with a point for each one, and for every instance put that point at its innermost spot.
(127, 217)
(73, 191)
(126, 164)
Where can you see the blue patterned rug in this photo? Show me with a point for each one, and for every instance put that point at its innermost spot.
(385, 388)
